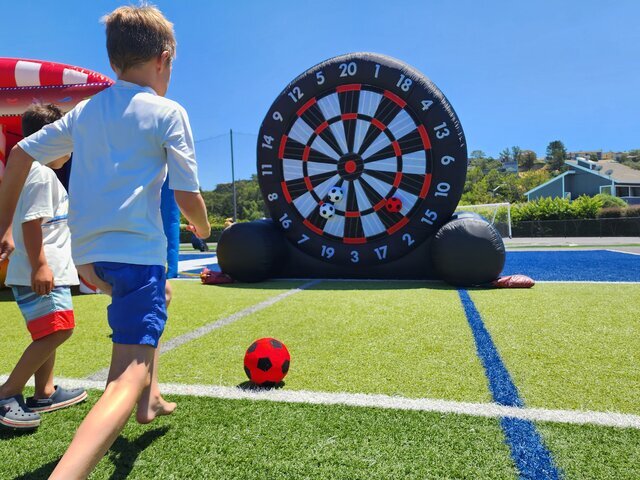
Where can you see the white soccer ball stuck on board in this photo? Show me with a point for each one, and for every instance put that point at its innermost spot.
(335, 194)
(327, 210)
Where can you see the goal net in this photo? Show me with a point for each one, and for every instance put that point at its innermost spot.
(498, 214)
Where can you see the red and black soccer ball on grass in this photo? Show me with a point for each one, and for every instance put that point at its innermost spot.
(266, 362)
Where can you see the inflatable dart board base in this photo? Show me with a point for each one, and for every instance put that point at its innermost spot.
(416, 265)
(361, 160)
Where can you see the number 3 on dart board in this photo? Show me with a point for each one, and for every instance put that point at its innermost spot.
(360, 159)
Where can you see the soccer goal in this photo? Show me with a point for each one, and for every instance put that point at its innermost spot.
(498, 214)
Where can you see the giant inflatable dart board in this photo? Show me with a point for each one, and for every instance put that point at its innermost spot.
(360, 160)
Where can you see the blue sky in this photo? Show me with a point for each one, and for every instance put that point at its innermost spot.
(517, 73)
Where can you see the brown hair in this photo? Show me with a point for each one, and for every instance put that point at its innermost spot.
(37, 116)
(137, 34)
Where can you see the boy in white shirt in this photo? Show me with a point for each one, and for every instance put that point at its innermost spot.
(124, 139)
(40, 274)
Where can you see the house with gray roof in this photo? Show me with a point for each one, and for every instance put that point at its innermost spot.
(585, 177)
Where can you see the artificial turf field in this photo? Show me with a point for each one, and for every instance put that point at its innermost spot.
(565, 347)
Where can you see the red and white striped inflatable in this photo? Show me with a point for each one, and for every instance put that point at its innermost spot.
(23, 82)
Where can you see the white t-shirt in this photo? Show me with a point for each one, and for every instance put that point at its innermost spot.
(43, 196)
(124, 139)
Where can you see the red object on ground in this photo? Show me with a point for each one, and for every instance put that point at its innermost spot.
(267, 362)
(514, 281)
(394, 205)
(210, 277)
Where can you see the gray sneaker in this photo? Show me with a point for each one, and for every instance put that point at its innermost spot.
(15, 414)
(61, 398)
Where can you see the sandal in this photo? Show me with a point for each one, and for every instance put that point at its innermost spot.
(15, 414)
(61, 398)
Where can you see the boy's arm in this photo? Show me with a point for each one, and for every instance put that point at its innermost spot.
(183, 171)
(193, 208)
(18, 166)
(41, 274)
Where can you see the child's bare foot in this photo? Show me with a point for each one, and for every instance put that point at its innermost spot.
(156, 407)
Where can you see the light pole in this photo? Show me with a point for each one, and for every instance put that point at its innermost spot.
(233, 180)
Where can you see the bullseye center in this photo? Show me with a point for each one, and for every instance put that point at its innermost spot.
(350, 166)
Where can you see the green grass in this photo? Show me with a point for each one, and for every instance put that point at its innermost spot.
(89, 349)
(393, 338)
(569, 346)
(566, 346)
(233, 439)
(587, 452)
(230, 439)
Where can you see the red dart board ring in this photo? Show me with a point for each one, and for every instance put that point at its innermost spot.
(365, 128)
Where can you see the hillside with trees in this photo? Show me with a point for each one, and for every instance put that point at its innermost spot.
(631, 159)
(249, 201)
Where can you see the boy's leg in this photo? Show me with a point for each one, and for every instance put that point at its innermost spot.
(151, 403)
(44, 378)
(136, 315)
(128, 376)
(47, 331)
(31, 360)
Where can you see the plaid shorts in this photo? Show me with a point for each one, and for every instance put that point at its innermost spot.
(45, 314)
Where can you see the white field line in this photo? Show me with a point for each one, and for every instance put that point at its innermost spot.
(209, 327)
(622, 251)
(491, 410)
(185, 265)
(371, 280)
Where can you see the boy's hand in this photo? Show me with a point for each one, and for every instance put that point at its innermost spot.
(42, 280)
(6, 245)
(89, 275)
(202, 232)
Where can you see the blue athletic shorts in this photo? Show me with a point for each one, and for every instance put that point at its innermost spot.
(138, 310)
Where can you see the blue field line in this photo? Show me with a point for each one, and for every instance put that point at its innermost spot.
(196, 256)
(575, 265)
(533, 460)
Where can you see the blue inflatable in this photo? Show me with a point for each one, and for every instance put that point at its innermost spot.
(171, 223)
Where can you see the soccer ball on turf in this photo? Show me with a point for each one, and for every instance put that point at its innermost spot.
(335, 194)
(327, 210)
(266, 362)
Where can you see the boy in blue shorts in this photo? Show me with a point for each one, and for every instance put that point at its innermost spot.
(40, 275)
(124, 140)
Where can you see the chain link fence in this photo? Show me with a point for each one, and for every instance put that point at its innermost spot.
(597, 227)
